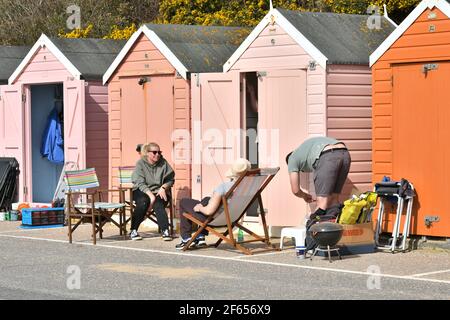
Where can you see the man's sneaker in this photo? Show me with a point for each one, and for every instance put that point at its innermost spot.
(134, 235)
(166, 235)
(183, 244)
(200, 241)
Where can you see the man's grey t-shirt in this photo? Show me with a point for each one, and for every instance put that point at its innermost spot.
(303, 158)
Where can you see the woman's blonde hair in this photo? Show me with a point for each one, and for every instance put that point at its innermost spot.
(146, 148)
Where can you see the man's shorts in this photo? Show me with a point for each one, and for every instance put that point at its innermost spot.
(331, 171)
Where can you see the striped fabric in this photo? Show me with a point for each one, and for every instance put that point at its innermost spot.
(125, 175)
(240, 198)
(81, 179)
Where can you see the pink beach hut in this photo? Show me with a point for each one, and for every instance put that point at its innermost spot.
(297, 75)
(61, 75)
(149, 86)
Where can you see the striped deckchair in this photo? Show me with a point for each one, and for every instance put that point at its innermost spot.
(235, 203)
(89, 207)
(126, 185)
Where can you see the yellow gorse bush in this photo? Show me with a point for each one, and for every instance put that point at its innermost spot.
(121, 34)
(77, 33)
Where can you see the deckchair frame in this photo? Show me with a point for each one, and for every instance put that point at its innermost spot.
(227, 235)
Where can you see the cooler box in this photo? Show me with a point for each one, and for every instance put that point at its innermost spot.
(42, 216)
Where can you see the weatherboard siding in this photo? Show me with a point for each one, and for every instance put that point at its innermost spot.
(97, 150)
(44, 67)
(349, 118)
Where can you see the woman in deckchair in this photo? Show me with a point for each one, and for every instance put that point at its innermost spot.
(207, 206)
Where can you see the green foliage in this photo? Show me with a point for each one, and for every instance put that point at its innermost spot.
(23, 21)
(250, 12)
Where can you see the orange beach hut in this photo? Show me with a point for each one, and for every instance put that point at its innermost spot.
(411, 114)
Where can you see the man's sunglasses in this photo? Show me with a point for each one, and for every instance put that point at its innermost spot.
(156, 152)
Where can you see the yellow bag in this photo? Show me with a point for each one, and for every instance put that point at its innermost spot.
(358, 208)
(371, 198)
(352, 210)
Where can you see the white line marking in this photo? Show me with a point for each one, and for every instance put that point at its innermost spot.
(237, 259)
(429, 273)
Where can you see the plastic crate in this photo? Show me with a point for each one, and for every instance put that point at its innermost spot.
(42, 216)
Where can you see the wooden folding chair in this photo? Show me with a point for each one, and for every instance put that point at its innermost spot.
(88, 207)
(126, 186)
(235, 203)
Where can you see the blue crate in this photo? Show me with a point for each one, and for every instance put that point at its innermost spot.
(42, 216)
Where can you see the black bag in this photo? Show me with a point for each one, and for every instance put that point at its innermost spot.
(330, 216)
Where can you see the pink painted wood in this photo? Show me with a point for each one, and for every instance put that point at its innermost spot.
(44, 68)
(349, 108)
(74, 123)
(96, 97)
(281, 126)
(11, 128)
(140, 114)
(216, 118)
(86, 115)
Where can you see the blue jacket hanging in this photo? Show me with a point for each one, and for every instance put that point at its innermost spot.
(52, 146)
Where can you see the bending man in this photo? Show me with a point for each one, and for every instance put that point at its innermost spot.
(329, 160)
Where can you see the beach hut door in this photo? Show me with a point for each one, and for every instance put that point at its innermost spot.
(12, 128)
(74, 123)
(282, 126)
(217, 129)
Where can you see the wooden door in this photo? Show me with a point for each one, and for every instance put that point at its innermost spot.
(133, 123)
(217, 136)
(159, 101)
(282, 127)
(421, 135)
(75, 123)
(12, 130)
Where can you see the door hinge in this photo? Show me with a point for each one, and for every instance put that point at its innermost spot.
(120, 145)
(120, 92)
(24, 97)
(430, 219)
(261, 74)
(429, 67)
(173, 90)
(25, 190)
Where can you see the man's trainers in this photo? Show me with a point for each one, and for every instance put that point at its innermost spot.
(134, 235)
(166, 235)
(183, 244)
(200, 241)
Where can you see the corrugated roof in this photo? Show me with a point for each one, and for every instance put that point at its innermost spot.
(342, 38)
(92, 57)
(10, 58)
(201, 48)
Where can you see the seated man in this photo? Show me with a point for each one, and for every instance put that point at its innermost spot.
(152, 178)
(207, 206)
